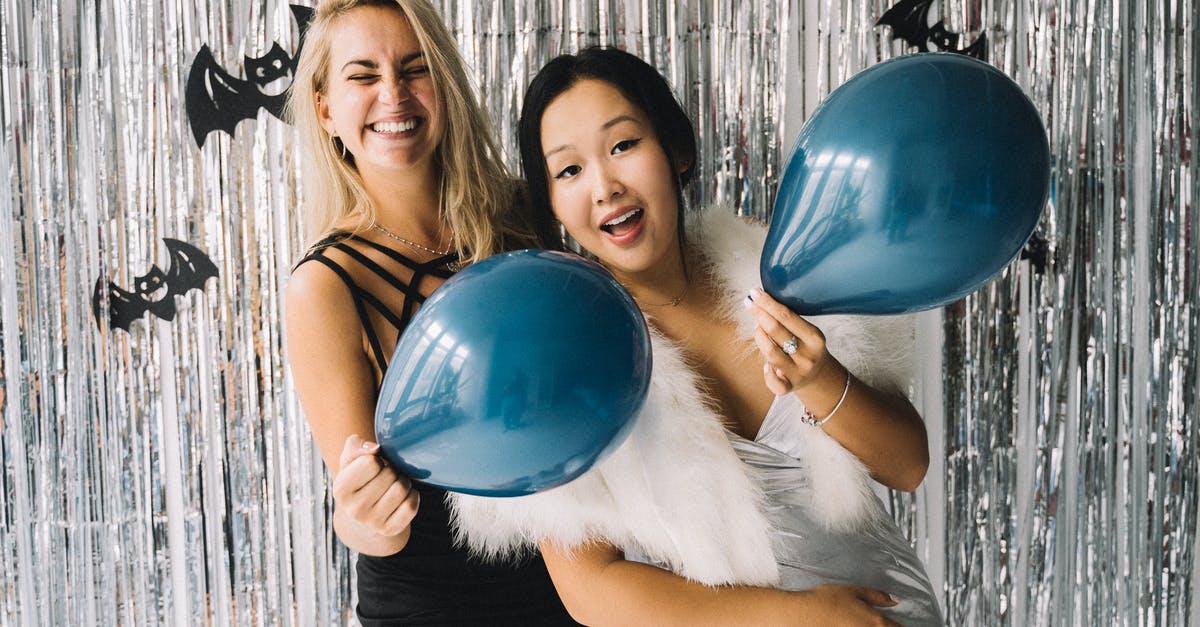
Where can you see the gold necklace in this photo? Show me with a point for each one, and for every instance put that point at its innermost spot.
(672, 303)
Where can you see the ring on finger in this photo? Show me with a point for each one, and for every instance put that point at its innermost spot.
(789, 347)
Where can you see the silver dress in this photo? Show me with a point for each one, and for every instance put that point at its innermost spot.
(877, 556)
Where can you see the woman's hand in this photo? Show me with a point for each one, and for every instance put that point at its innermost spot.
(794, 349)
(836, 604)
(882, 430)
(370, 495)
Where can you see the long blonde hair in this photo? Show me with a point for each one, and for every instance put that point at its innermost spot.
(479, 199)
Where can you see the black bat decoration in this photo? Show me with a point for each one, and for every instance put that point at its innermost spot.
(156, 290)
(909, 20)
(1037, 252)
(217, 101)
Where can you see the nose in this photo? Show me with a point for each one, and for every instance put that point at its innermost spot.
(605, 185)
(395, 90)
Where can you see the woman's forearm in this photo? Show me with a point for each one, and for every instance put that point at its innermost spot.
(600, 588)
(630, 593)
(881, 429)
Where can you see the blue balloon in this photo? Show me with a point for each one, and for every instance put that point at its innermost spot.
(516, 375)
(912, 184)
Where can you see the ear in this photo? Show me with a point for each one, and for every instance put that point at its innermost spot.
(682, 163)
(323, 114)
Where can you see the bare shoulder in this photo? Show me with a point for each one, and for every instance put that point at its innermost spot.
(313, 281)
(315, 288)
(317, 301)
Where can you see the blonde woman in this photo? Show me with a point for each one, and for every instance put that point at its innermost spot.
(403, 184)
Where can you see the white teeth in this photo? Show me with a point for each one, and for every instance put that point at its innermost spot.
(394, 127)
(619, 219)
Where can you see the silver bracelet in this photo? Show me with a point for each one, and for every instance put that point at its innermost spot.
(809, 419)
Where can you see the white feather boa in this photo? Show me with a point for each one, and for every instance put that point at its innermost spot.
(675, 491)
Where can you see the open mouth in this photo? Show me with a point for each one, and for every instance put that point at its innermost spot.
(396, 128)
(623, 223)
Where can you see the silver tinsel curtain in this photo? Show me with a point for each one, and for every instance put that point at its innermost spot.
(164, 473)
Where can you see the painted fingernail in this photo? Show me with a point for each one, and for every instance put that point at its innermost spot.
(894, 598)
(370, 447)
(766, 368)
(753, 294)
(747, 303)
(779, 373)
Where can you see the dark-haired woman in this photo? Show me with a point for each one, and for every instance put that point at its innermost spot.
(743, 496)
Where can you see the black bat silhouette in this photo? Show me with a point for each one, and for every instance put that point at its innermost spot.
(909, 20)
(156, 290)
(1037, 252)
(218, 101)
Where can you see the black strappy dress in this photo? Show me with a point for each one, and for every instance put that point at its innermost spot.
(431, 581)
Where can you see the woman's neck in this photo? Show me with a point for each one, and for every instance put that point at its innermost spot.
(408, 203)
(664, 285)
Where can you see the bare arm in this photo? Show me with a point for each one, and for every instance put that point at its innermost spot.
(599, 587)
(883, 430)
(336, 386)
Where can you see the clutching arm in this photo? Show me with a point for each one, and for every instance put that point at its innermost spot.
(373, 505)
(883, 430)
(600, 588)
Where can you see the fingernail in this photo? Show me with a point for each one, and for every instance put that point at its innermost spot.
(753, 294)
(370, 447)
(747, 303)
(766, 368)
(779, 373)
(894, 598)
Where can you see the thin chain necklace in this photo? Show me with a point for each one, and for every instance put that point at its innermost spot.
(671, 303)
(410, 243)
(452, 265)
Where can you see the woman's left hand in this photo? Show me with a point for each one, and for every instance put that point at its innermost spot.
(884, 431)
(793, 348)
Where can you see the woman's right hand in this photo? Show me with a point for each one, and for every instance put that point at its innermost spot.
(369, 494)
(837, 604)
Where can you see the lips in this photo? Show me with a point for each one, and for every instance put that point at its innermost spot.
(623, 226)
(622, 221)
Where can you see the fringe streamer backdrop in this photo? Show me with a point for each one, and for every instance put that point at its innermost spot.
(164, 474)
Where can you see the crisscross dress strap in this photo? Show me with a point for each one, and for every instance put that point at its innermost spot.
(381, 295)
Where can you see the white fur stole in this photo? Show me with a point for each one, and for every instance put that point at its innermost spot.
(675, 491)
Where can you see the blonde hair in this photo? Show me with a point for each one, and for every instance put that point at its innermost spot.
(479, 199)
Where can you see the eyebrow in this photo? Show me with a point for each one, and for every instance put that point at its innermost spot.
(604, 127)
(367, 63)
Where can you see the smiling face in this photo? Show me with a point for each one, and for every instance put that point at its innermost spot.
(380, 100)
(610, 181)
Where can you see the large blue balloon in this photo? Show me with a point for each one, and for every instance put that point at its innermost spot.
(913, 183)
(516, 375)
